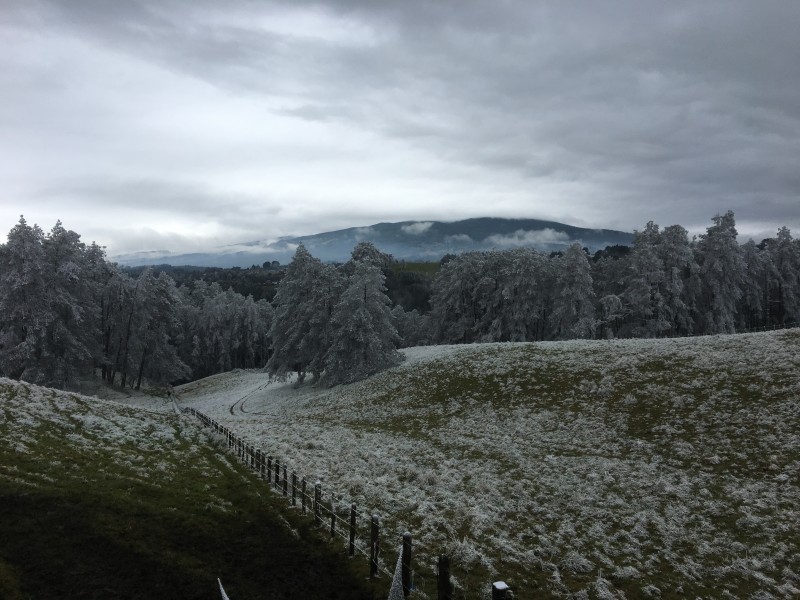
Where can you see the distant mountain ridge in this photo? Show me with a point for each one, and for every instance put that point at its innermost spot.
(405, 240)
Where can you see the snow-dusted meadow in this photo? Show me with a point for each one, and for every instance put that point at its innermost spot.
(143, 443)
(639, 467)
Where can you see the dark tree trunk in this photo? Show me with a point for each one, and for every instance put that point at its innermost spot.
(141, 370)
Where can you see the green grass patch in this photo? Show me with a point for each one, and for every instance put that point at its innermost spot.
(103, 501)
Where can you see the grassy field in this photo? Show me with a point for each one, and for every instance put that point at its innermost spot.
(603, 469)
(102, 500)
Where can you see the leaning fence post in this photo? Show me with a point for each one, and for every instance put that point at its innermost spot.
(317, 502)
(303, 495)
(285, 481)
(374, 539)
(269, 469)
(352, 546)
(444, 585)
(294, 488)
(500, 591)
(406, 564)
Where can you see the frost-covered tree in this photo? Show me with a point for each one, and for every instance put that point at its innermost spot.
(721, 271)
(784, 256)
(48, 299)
(222, 330)
(678, 260)
(367, 252)
(301, 322)
(154, 344)
(413, 328)
(454, 308)
(24, 306)
(573, 313)
(751, 311)
(611, 315)
(646, 311)
(322, 298)
(71, 341)
(364, 340)
(512, 296)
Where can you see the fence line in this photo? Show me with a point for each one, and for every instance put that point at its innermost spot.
(276, 473)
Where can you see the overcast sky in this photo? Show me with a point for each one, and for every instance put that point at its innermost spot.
(159, 124)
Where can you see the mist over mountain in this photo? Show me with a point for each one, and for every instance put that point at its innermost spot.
(406, 240)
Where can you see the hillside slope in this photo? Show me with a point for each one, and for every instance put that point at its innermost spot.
(636, 467)
(103, 500)
(407, 240)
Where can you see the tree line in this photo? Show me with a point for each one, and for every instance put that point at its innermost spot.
(664, 285)
(67, 313)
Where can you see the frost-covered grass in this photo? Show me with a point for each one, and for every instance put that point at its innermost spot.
(104, 500)
(643, 468)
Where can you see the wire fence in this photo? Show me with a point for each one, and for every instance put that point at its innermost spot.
(360, 532)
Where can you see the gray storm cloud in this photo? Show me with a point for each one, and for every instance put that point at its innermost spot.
(260, 119)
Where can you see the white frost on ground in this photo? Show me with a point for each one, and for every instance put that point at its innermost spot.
(145, 445)
(646, 465)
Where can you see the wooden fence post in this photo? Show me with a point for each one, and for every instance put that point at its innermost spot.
(303, 495)
(444, 585)
(269, 469)
(374, 543)
(500, 591)
(277, 472)
(406, 564)
(317, 502)
(263, 464)
(294, 488)
(352, 546)
(285, 481)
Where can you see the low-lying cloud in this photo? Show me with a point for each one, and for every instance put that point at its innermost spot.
(531, 238)
(417, 228)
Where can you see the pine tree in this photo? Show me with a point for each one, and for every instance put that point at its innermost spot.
(364, 340)
(24, 309)
(454, 308)
(722, 275)
(784, 254)
(70, 344)
(301, 322)
(573, 311)
(678, 260)
(751, 311)
(646, 311)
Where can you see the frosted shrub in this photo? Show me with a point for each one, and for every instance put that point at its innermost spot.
(576, 563)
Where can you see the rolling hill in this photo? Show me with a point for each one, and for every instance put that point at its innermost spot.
(105, 500)
(643, 468)
(408, 240)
